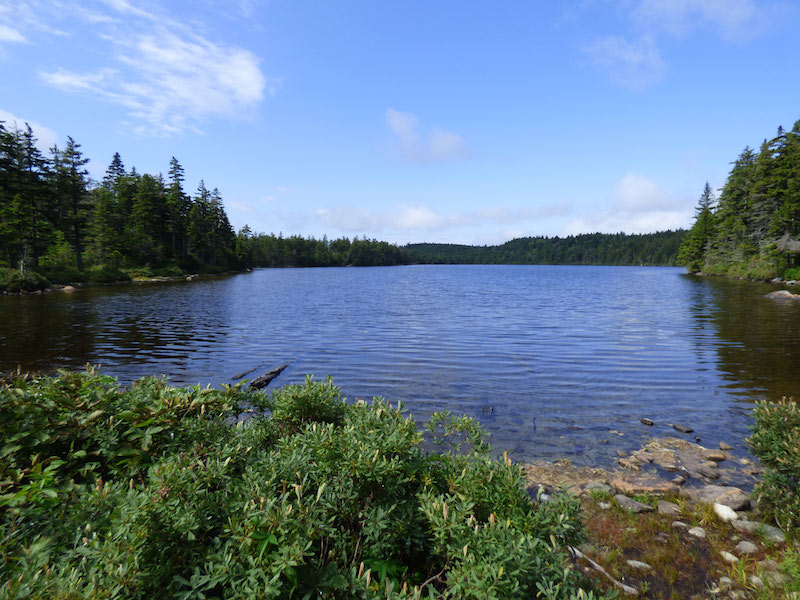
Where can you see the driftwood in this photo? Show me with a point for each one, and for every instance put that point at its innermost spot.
(263, 380)
(240, 375)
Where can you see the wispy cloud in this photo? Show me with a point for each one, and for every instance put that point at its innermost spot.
(637, 205)
(168, 76)
(438, 145)
(9, 34)
(632, 64)
(417, 217)
(634, 60)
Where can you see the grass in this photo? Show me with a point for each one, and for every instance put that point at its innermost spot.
(683, 565)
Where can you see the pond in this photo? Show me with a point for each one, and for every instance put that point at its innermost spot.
(556, 361)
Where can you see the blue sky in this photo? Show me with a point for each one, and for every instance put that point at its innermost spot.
(437, 120)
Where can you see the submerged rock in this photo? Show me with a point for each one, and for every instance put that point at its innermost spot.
(682, 428)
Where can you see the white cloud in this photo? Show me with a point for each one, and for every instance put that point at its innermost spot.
(438, 146)
(635, 65)
(46, 137)
(417, 217)
(638, 205)
(9, 34)
(168, 77)
(729, 19)
(635, 61)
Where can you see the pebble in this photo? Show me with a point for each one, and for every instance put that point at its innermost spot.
(768, 565)
(668, 508)
(776, 578)
(697, 532)
(682, 428)
(725, 583)
(679, 525)
(637, 564)
(726, 513)
(598, 486)
(745, 547)
(679, 480)
(756, 581)
(632, 505)
(646, 421)
(622, 453)
(724, 446)
(604, 505)
(728, 557)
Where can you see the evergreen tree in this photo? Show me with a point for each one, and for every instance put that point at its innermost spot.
(699, 239)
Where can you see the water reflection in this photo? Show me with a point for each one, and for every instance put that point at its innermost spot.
(562, 355)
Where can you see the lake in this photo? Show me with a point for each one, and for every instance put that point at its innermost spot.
(552, 359)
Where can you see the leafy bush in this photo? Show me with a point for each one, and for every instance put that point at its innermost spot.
(200, 493)
(168, 271)
(791, 274)
(11, 280)
(776, 441)
(106, 274)
(63, 274)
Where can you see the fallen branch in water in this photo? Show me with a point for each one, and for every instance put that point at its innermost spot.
(263, 380)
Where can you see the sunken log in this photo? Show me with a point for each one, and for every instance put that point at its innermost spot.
(263, 380)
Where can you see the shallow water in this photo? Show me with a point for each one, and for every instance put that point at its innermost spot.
(549, 358)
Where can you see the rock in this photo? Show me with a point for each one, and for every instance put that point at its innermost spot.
(719, 494)
(668, 508)
(755, 581)
(726, 513)
(724, 446)
(682, 428)
(697, 532)
(604, 505)
(737, 595)
(598, 486)
(68, 288)
(632, 505)
(770, 533)
(629, 463)
(679, 480)
(622, 453)
(643, 456)
(637, 564)
(728, 557)
(735, 498)
(775, 579)
(666, 459)
(679, 525)
(644, 484)
(646, 421)
(782, 295)
(714, 455)
(768, 565)
(725, 583)
(745, 547)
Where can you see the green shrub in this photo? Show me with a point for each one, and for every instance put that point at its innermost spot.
(776, 442)
(106, 274)
(11, 280)
(62, 274)
(790, 274)
(169, 271)
(173, 493)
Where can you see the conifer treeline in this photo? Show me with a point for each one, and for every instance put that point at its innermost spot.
(659, 248)
(56, 221)
(753, 229)
(52, 215)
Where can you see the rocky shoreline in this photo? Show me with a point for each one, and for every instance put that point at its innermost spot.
(669, 497)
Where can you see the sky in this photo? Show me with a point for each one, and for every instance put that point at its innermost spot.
(462, 121)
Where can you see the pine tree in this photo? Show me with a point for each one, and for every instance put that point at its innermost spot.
(698, 242)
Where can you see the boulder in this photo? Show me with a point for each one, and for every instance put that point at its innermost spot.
(714, 455)
(668, 508)
(745, 547)
(68, 288)
(782, 295)
(697, 532)
(632, 505)
(644, 484)
(770, 533)
(682, 428)
(646, 421)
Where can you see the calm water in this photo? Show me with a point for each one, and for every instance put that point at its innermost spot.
(549, 358)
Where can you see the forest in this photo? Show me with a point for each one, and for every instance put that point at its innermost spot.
(752, 230)
(588, 249)
(59, 226)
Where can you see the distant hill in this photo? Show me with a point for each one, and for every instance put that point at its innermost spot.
(650, 249)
